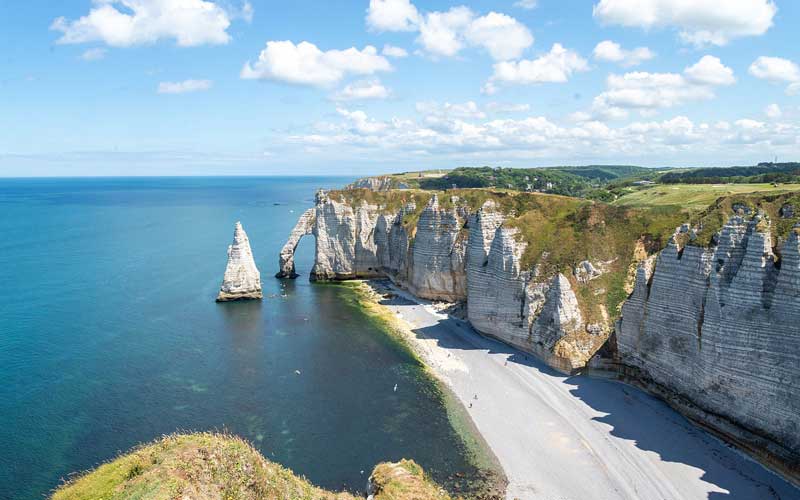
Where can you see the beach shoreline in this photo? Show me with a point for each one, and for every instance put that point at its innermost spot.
(570, 437)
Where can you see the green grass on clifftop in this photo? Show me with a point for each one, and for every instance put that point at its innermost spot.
(694, 196)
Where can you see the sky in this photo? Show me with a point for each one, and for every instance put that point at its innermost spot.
(252, 87)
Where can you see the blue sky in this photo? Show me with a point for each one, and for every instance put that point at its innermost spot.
(179, 87)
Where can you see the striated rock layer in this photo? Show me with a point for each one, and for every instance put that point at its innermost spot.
(536, 313)
(242, 280)
(716, 332)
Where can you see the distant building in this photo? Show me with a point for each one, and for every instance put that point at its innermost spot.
(643, 183)
(549, 185)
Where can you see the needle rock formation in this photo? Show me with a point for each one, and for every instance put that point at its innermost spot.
(242, 281)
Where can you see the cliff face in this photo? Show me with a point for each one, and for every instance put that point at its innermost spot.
(242, 279)
(450, 254)
(716, 332)
(539, 314)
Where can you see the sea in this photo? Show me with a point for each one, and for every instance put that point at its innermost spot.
(110, 337)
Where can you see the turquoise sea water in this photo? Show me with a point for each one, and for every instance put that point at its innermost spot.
(110, 336)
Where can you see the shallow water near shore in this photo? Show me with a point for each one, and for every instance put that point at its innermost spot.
(110, 336)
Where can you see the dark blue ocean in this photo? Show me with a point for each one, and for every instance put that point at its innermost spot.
(110, 336)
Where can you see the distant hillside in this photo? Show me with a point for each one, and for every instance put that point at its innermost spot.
(569, 181)
(763, 172)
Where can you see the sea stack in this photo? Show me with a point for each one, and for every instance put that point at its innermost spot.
(242, 281)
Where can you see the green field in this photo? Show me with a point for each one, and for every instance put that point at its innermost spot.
(694, 196)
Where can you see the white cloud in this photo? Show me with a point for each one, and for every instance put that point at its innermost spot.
(124, 23)
(773, 111)
(445, 34)
(392, 51)
(648, 92)
(441, 33)
(526, 4)
(305, 64)
(557, 66)
(361, 90)
(184, 86)
(470, 133)
(777, 70)
(612, 51)
(94, 54)
(392, 15)
(701, 22)
(709, 70)
(502, 36)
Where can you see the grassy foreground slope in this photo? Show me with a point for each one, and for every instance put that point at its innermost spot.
(208, 466)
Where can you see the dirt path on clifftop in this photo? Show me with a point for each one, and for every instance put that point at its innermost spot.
(577, 438)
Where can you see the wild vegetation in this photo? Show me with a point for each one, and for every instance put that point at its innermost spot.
(208, 466)
(570, 181)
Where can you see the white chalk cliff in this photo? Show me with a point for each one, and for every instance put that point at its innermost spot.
(242, 280)
(714, 331)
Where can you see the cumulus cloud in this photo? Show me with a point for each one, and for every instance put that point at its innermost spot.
(613, 52)
(777, 70)
(700, 22)
(709, 70)
(305, 64)
(392, 15)
(124, 23)
(184, 87)
(94, 54)
(442, 33)
(647, 92)
(502, 36)
(362, 90)
(445, 34)
(557, 66)
(392, 51)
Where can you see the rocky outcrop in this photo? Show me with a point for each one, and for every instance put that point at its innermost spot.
(715, 332)
(242, 280)
(304, 226)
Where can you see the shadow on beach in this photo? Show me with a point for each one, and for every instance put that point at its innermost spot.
(630, 414)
